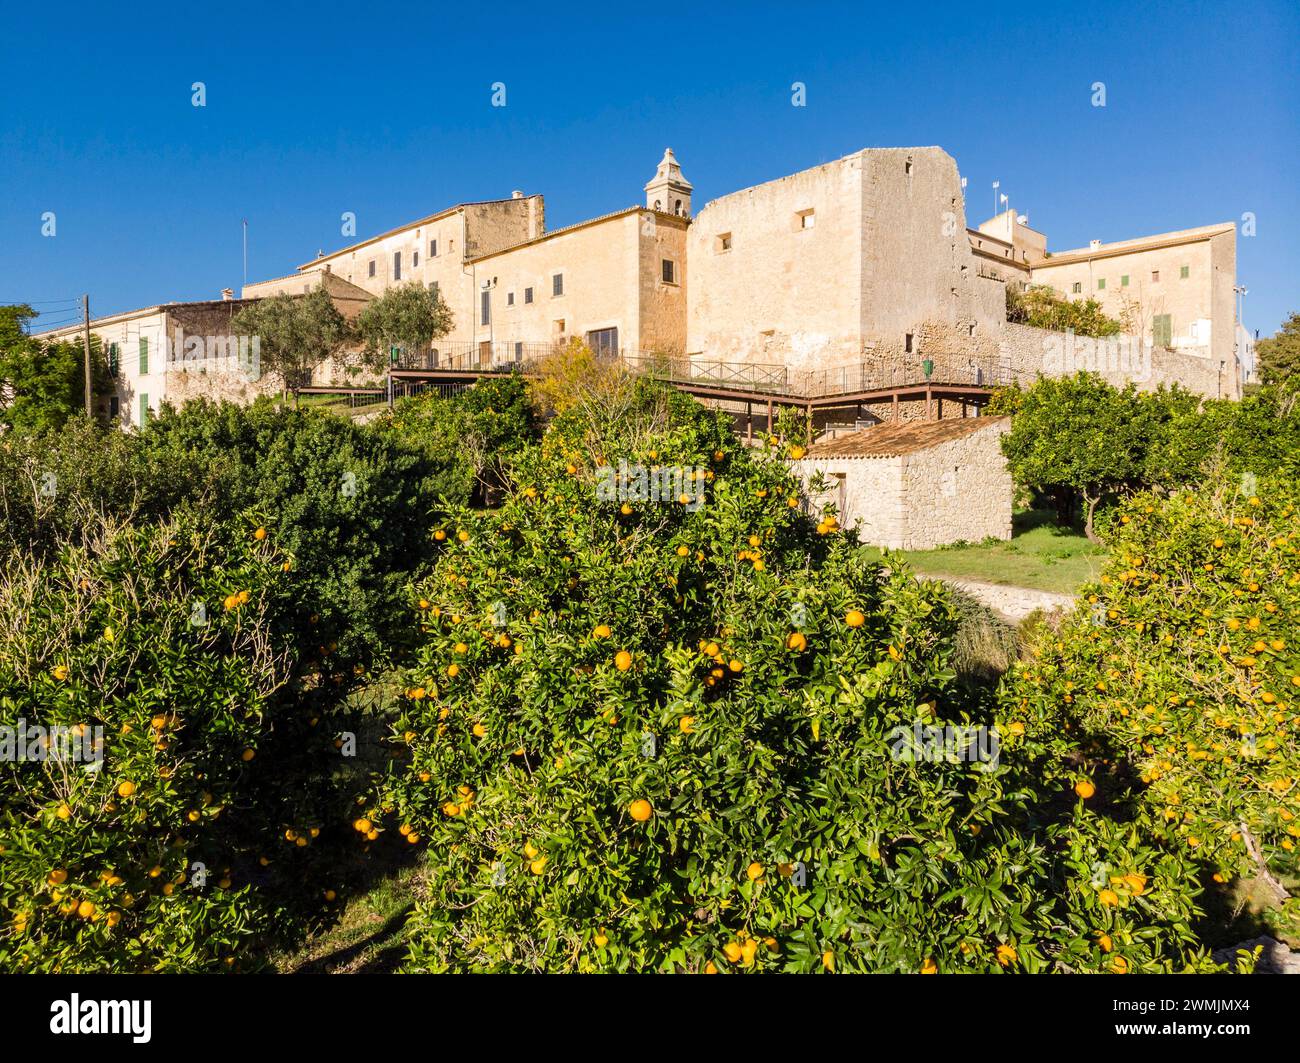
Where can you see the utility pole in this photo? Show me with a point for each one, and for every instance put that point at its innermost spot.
(85, 348)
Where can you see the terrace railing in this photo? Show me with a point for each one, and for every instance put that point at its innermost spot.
(872, 374)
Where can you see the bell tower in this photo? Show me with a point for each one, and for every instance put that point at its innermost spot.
(668, 190)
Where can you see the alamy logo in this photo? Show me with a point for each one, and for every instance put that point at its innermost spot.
(1068, 354)
(657, 483)
(80, 744)
(961, 743)
(102, 1016)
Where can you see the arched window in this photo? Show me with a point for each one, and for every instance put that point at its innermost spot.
(678, 208)
(657, 204)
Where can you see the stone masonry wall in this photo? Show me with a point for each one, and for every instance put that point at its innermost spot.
(959, 490)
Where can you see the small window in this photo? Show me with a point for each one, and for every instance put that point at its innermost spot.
(114, 360)
(114, 407)
(397, 265)
(510, 298)
(669, 271)
(144, 355)
(528, 295)
(1077, 288)
(144, 409)
(433, 290)
(907, 167)
(722, 243)
(1155, 276)
(1162, 330)
(907, 343)
(1101, 284)
(415, 259)
(557, 284)
(1184, 272)
(485, 308)
(805, 219)
(1123, 281)
(433, 248)
(519, 351)
(372, 268)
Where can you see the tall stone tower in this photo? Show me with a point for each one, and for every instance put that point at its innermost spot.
(668, 190)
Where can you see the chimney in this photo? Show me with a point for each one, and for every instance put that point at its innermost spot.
(227, 294)
(516, 194)
(1093, 245)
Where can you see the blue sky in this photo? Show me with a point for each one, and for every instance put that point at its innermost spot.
(385, 110)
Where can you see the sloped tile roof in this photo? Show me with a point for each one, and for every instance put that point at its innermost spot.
(894, 440)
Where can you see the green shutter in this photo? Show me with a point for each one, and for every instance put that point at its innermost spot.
(1162, 330)
(114, 361)
(1123, 281)
(1101, 284)
(144, 409)
(144, 355)
(1184, 272)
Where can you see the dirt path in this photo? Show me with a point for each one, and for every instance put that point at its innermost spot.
(1015, 603)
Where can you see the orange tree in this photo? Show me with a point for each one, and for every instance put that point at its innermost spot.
(162, 764)
(662, 735)
(1174, 686)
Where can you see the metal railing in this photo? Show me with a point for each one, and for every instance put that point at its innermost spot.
(746, 376)
(345, 400)
(871, 374)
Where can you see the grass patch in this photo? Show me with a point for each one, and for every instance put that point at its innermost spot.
(1040, 555)
(369, 936)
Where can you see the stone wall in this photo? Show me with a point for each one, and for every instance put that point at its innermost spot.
(662, 308)
(958, 490)
(600, 264)
(770, 286)
(950, 492)
(1027, 353)
(866, 492)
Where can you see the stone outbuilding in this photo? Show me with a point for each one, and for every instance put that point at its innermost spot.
(916, 485)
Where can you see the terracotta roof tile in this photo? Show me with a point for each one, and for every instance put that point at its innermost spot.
(894, 440)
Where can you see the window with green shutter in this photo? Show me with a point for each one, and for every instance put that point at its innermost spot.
(1162, 330)
(1101, 284)
(114, 359)
(144, 355)
(1123, 281)
(144, 409)
(1184, 272)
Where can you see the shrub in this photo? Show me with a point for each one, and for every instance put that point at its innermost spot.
(155, 646)
(54, 485)
(466, 440)
(650, 736)
(347, 503)
(1041, 307)
(1179, 674)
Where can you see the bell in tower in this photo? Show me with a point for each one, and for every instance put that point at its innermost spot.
(668, 190)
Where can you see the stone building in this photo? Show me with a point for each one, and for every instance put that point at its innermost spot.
(852, 270)
(865, 256)
(169, 353)
(915, 485)
(617, 281)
